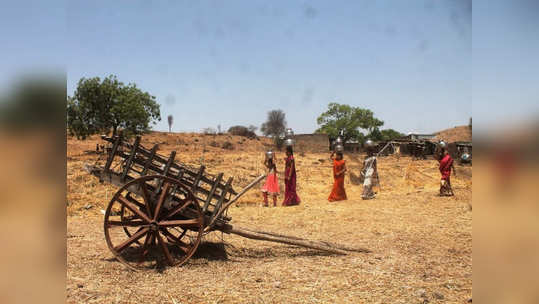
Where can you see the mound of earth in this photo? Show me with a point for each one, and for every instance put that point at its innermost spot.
(460, 133)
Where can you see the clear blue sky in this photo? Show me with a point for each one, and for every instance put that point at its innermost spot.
(414, 63)
(229, 62)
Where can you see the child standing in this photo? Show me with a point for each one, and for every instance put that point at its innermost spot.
(271, 186)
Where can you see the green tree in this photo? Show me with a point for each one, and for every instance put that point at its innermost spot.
(384, 135)
(101, 105)
(390, 134)
(349, 119)
(376, 135)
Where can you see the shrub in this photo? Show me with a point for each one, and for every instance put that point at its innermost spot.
(241, 131)
(228, 145)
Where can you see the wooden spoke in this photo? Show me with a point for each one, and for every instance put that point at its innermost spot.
(146, 197)
(182, 223)
(164, 247)
(179, 209)
(177, 240)
(145, 203)
(147, 242)
(134, 201)
(124, 218)
(127, 223)
(183, 233)
(161, 200)
(132, 239)
(133, 208)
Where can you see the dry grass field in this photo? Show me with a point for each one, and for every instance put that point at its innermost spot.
(421, 244)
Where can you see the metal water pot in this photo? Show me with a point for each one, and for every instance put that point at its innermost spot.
(289, 133)
(289, 142)
(339, 148)
(269, 154)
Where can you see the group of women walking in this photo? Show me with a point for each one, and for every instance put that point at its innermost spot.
(338, 193)
(369, 177)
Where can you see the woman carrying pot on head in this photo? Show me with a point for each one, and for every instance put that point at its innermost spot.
(339, 168)
(446, 164)
(291, 198)
(369, 171)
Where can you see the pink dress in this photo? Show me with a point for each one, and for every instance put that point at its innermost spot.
(271, 185)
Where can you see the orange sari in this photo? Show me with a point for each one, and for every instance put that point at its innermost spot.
(338, 193)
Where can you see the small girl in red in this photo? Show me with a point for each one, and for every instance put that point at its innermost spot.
(271, 185)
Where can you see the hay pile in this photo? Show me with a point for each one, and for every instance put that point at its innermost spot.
(421, 243)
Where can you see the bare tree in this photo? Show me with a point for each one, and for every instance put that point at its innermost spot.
(275, 124)
(170, 120)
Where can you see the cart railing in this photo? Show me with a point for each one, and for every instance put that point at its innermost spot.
(212, 191)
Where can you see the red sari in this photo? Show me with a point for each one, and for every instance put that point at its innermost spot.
(338, 193)
(290, 196)
(445, 167)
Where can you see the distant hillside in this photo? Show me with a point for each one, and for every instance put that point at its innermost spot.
(460, 133)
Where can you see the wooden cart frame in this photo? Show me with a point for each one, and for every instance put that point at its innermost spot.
(164, 207)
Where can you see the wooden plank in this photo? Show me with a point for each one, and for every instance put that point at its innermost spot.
(169, 162)
(143, 151)
(180, 174)
(149, 161)
(186, 181)
(131, 157)
(222, 198)
(115, 179)
(165, 169)
(236, 197)
(194, 187)
(178, 177)
(212, 191)
(112, 152)
(159, 159)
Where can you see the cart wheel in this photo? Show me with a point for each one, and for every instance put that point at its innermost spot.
(152, 221)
